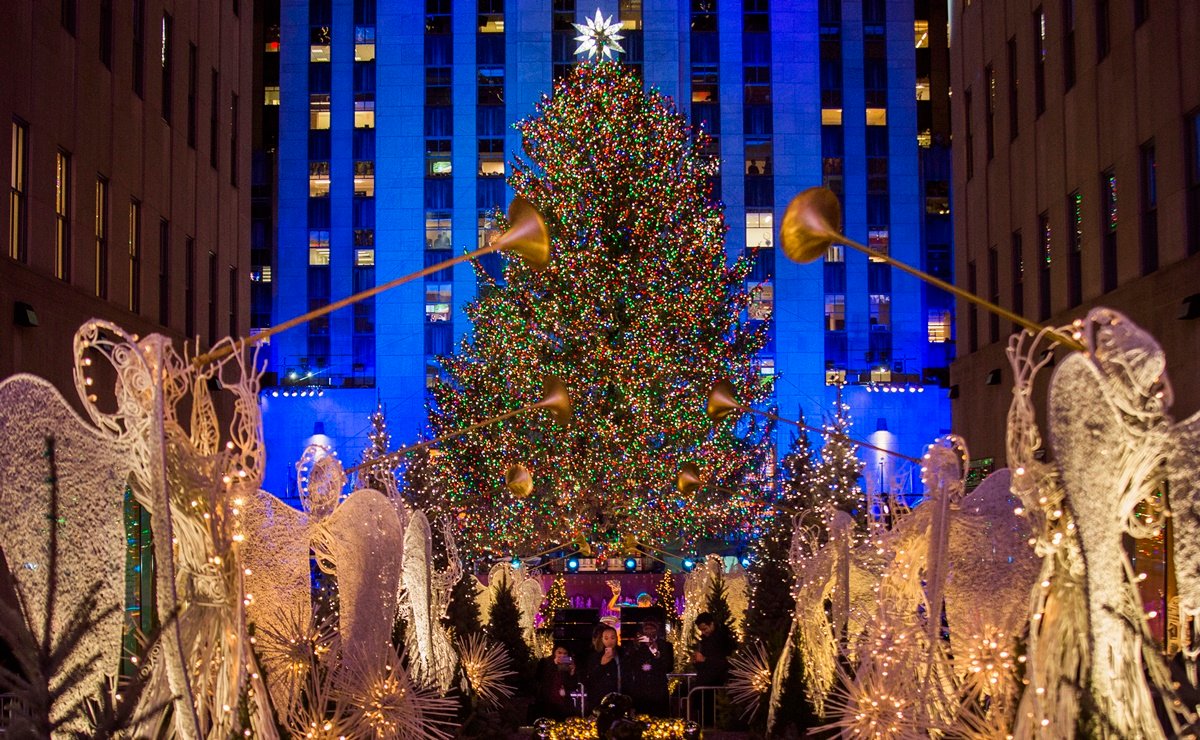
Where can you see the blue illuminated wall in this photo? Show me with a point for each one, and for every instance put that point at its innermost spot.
(394, 122)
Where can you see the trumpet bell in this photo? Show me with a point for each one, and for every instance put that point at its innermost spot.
(555, 399)
(687, 481)
(527, 236)
(518, 481)
(722, 401)
(811, 223)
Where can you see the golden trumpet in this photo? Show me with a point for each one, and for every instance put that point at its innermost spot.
(812, 222)
(554, 398)
(723, 401)
(687, 481)
(518, 480)
(527, 237)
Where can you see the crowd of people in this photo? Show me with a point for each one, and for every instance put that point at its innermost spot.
(639, 670)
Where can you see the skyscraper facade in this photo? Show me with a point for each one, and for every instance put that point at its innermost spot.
(1077, 178)
(395, 124)
(129, 200)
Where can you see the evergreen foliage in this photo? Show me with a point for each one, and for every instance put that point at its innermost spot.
(462, 615)
(638, 313)
(504, 626)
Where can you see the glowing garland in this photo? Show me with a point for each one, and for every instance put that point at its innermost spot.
(638, 314)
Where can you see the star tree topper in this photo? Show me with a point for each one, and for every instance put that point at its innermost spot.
(599, 36)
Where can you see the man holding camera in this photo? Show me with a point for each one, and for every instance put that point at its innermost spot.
(647, 666)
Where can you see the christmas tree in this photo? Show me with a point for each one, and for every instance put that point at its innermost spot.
(462, 614)
(504, 626)
(422, 482)
(378, 478)
(638, 313)
(836, 477)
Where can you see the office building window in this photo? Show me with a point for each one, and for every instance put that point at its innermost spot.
(1103, 35)
(166, 52)
(993, 257)
(1043, 265)
(437, 302)
(1149, 203)
(1017, 276)
(138, 37)
(101, 283)
(835, 311)
(1039, 60)
(938, 326)
(1068, 42)
(193, 90)
(62, 216)
(234, 284)
(968, 135)
(437, 230)
(189, 287)
(18, 205)
(135, 255)
(1014, 122)
(106, 33)
(1108, 244)
(364, 110)
(990, 112)
(1075, 249)
(972, 310)
(491, 16)
(318, 247)
(234, 149)
(760, 227)
(318, 111)
(364, 178)
(319, 38)
(213, 277)
(67, 16)
(1141, 12)
(879, 311)
(1192, 149)
(318, 179)
(214, 120)
(762, 301)
(164, 272)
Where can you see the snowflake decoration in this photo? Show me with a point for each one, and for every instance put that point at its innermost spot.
(599, 36)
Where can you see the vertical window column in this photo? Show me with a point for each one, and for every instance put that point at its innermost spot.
(164, 272)
(1017, 271)
(62, 216)
(1108, 248)
(1043, 265)
(705, 63)
(562, 38)
(135, 255)
(362, 338)
(1149, 202)
(101, 282)
(1075, 250)
(18, 205)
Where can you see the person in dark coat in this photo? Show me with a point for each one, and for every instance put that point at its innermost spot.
(711, 655)
(646, 667)
(556, 680)
(603, 675)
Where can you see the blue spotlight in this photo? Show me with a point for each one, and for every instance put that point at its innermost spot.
(572, 565)
(745, 561)
(516, 563)
(688, 565)
(630, 564)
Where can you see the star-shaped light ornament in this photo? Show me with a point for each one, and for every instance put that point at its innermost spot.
(599, 36)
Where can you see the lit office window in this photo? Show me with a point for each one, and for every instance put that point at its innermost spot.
(921, 33)
(875, 117)
(437, 302)
(939, 326)
(318, 111)
(62, 216)
(880, 311)
(318, 49)
(318, 247)
(364, 43)
(760, 227)
(318, 179)
(491, 16)
(831, 116)
(762, 301)
(364, 258)
(878, 240)
(437, 230)
(364, 178)
(835, 311)
(364, 110)
(271, 95)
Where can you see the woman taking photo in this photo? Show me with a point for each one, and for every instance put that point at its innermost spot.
(603, 674)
